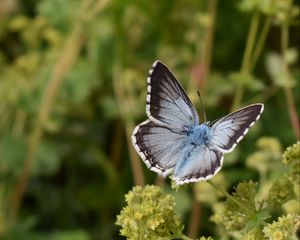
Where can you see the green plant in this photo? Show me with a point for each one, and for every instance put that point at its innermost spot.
(73, 86)
(245, 215)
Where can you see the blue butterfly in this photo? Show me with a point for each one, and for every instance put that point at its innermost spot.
(171, 140)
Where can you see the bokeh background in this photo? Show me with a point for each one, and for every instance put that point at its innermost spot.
(73, 86)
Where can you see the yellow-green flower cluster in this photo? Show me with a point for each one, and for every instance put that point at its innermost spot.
(282, 10)
(283, 229)
(240, 208)
(269, 151)
(254, 234)
(204, 238)
(280, 192)
(149, 214)
(291, 157)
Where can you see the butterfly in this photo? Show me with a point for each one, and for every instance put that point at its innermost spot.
(171, 140)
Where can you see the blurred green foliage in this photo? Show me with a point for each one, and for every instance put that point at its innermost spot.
(73, 85)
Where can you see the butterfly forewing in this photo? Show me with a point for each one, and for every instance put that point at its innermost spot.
(230, 130)
(167, 102)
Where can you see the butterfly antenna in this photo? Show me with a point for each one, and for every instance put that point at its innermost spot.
(202, 105)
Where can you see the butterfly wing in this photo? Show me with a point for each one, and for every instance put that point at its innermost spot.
(167, 102)
(160, 139)
(198, 163)
(159, 146)
(230, 130)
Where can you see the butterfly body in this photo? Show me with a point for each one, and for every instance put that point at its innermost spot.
(198, 135)
(172, 140)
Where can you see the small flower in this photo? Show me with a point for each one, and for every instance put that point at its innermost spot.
(206, 238)
(218, 209)
(292, 154)
(149, 214)
(269, 150)
(291, 157)
(241, 207)
(283, 229)
(254, 234)
(280, 192)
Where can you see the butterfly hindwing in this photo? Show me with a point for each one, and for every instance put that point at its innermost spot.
(230, 130)
(198, 163)
(167, 102)
(159, 147)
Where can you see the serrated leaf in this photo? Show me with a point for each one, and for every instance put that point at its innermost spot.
(257, 220)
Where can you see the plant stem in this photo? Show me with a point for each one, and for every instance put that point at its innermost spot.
(194, 219)
(287, 89)
(261, 41)
(246, 58)
(135, 161)
(185, 237)
(19, 123)
(227, 195)
(209, 40)
(136, 167)
(181, 236)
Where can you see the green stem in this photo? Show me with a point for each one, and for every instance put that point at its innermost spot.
(181, 236)
(250, 42)
(246, 58)
(227, 195)
(119, 91)
(261, 42)
(287, 89)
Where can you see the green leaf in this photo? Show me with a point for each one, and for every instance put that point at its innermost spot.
(240, 209)
(258, 220)
(80, 81)
(12, 152)
(47, 160)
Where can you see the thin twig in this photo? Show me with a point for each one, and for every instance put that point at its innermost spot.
(228, 195)
(261, 41)
(135, 161)
(245, 67)
(209, 38)
(136, 166)
(287, 89)
(194, 219)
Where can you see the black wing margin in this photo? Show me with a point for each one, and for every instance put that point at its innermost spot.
(231, 129)
(167, 102)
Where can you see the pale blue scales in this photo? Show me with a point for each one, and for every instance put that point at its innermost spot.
(171, 140)
(199, 135)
